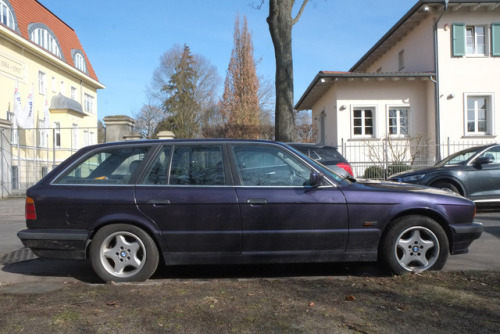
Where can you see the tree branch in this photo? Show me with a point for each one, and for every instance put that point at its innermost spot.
(297, 17)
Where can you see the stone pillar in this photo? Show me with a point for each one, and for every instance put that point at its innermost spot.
(5, 158)
(118, 127)
(133, 136)
(165, 135)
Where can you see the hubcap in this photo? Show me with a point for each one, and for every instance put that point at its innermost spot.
(417, 248)
(123, 254)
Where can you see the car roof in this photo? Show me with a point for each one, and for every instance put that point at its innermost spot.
(313, 145)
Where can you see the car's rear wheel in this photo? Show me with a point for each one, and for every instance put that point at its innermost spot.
(123, 253)
(414, 244)
(446, 186)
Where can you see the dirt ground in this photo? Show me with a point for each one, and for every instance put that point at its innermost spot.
(438, 302)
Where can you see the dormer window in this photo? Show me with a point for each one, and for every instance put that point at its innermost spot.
(79, 60)
(6, 15)
(42, 35)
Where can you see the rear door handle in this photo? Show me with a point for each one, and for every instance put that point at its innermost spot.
(259, 201)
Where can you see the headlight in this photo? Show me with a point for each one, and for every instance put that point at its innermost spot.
(413, 178)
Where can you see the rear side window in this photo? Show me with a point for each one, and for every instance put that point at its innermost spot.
(197, 165)
(110, 166)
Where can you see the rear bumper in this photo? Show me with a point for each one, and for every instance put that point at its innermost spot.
(464, 235)
(56, 244)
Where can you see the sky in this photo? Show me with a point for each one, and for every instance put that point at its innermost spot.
(125, 39)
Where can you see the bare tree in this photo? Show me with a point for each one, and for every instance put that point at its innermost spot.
(280, 22)
(147, 119)
(306, 130)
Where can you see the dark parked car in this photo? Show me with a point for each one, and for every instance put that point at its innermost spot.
(128, 205)
(473, 173)
(326, 155)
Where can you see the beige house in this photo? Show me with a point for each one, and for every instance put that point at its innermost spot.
(48, 95)
(433, 76)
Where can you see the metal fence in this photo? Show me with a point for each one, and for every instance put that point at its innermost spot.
(26, 155)
(381, 158)
(29, 154)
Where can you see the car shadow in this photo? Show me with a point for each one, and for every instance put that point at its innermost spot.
(82, 270)
(256, 271)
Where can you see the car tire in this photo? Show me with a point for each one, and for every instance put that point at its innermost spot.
(414, 244)
(123, 253)
(446, 186)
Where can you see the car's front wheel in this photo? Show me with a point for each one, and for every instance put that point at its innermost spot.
(413, 244)
(123, 253)
(446, 186)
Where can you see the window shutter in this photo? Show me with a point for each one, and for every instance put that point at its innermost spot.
(458, 39)
(495, 39)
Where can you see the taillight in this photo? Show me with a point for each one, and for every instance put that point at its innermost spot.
(346, 167)
(30, 210)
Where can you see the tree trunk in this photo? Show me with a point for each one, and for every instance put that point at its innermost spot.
(280, 26)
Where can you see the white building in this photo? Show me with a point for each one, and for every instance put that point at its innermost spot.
(48, 95)
(434, 76)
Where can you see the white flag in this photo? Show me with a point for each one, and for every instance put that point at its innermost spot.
(18, 109)
(28, 112)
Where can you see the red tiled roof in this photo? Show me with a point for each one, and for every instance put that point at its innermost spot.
(31, 11)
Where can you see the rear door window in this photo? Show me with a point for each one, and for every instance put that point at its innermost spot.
(190, 165)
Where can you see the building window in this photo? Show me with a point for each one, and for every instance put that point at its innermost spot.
(88, 102)
(45, 170)
(15, 177)
(14, 133)
(74, 137)
(73, 93)
(401, 60)
(54, 85)
(57, 134)
(41, 83)
(79, 60)
(476, 40)
(363, 122)
(42, 134)
(6, 15)
(41, 34)
(478, 115)
(471, 40)
(398, 122)
(62, 88)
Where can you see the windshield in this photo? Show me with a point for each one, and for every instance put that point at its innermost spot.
(460, 158)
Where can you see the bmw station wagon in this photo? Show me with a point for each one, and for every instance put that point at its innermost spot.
(126, 206)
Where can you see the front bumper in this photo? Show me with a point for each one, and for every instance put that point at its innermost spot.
(56, 244)
(464, 235)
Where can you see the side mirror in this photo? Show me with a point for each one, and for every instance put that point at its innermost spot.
(484, 160)
(315, 179)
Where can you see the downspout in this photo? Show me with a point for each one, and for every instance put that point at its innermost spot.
(436, 84)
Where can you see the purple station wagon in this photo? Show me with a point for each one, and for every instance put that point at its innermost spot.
(126, 206)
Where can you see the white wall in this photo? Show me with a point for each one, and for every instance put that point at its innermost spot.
(460, 76)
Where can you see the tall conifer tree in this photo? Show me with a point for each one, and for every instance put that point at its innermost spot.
(240, 101)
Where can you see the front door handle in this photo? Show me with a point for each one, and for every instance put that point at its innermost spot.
(159, 202)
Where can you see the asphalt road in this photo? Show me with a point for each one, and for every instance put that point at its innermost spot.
(21, 271)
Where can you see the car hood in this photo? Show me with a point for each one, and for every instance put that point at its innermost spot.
(424, 171)
(396, 187)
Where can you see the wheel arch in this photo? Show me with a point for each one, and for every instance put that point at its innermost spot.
(436, 216)
(457, 183)
(147, 226)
